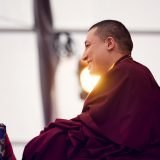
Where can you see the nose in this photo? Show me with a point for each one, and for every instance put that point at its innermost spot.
(84, 57)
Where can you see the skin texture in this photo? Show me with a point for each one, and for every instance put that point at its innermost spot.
(100, 54)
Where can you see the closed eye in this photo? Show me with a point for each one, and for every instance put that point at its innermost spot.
(87, 45)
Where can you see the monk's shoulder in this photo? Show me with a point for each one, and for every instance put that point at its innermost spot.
(134, 69)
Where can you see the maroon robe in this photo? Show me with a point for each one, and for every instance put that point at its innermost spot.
(8, 154)
(120, 121)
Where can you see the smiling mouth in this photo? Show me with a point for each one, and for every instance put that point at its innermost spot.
(89, 62)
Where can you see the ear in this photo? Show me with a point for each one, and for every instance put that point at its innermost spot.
(110, 43)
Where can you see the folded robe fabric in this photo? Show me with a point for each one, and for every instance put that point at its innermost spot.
(120, 121)
(6, 151)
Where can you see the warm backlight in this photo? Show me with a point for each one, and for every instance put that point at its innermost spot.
(87, 80)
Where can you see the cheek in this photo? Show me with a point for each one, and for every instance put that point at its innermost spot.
(100, 57)
(89, 51)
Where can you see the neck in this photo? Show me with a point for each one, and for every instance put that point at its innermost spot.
(116, 58)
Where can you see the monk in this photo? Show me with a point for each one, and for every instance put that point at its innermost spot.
(121, 116)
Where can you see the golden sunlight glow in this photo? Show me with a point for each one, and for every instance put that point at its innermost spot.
(87, 80)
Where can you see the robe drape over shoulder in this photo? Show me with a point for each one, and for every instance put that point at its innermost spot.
(119, 121)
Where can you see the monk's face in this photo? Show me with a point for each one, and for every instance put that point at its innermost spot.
(96, 53)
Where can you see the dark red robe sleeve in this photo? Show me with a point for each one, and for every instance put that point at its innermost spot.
(71, 140)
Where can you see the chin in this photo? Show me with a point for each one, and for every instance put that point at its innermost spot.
(94, 72)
